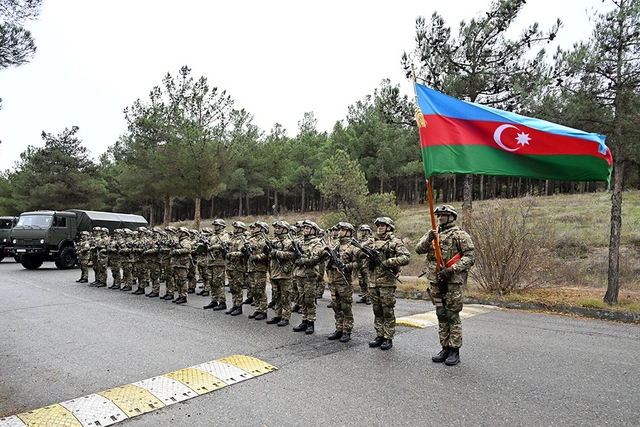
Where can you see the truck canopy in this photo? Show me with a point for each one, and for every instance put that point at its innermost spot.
(88, 219)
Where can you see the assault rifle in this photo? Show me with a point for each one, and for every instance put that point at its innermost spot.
(248, 250)
(204, 241)
(374, 258)
(334, 259)
(297, 253)
(269, 245)
(225, 247)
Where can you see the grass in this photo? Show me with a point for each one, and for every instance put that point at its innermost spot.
(580, 226)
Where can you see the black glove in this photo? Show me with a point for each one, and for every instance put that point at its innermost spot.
(445, 273)
(431, 235)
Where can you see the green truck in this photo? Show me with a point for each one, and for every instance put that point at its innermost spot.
(50, 235)
(6, 225)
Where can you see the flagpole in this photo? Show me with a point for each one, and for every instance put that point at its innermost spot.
(423, 123)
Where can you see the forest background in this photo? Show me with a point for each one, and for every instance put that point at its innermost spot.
(188, 153)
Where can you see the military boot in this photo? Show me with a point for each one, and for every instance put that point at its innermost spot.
(220, 306)
(377, 342)
(310, 328)
(260, 316)
(212, 304)
(295, 309)
(283, 322)
(230, 310)
(442, 356)
(335, 335)
(386, 344)
(181, 300)
(237, 311)
(273, 320)
(346, 336)
(453, 358)
(248, 301)
(301, 327)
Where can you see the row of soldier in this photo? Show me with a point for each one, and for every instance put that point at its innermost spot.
(294, 261)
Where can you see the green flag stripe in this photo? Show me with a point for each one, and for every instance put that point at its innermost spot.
(483, 160)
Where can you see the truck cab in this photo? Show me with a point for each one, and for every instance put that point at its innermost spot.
(6, 224)
(45, 236)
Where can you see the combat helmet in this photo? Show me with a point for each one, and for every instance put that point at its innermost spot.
(263, 225)
(171, 229)
(385, 220)
(239, 224)
(446, 210)
(365, 227)
(309, 223)
(184, 230)
(206, 230)
(345, 226)
(85, 233)
(220, 222)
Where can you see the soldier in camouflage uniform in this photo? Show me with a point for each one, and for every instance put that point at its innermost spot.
(140, 263)
(320, 284)
(257, 265)
(296, 291)
(83, 249)
(306, 270)
(217, 269)
(154, 261)
(114, 259)
(192, 275)
(446, 285)
(126, 258)
(203, 258)
(340, 280)
(364, 234)
(236, 267)
(170, 241)
(102, 257)
(280, 269)
(391, 255)
(93, 242)
(181, 256)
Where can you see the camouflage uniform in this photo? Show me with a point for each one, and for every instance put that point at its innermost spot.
(218, 243)
(114, 259)
(365, 233)
(306, 271)
(257, 265)
(192, 274)
(140, 263)
(280, 271)
(170, 240)
(236, 267)
(446, 288)
(83, 249)
(320, 284)
(102, 257)
(296, 289)
(93, 242)
(382, 283)
(126, 259)
(203, 259)
(154, 255)
(181, 258)
(341, 289)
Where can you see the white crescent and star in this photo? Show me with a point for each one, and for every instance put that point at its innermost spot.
(522, 138)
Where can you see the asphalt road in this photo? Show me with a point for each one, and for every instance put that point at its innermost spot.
(60, 340)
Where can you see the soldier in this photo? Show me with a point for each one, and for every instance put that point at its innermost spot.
(446, 285)
(181, 256)
(340, 273)
(114, 258)
(83, 249)
(126, 258)
(217, 268)
(102, 257)
(203, 257)
(365, 234)
(93, 242)
(320, 284)
(192, 275)
(140, 263)
(281, 255)
(387, 254)
(236, 267)
(296, 291)
(306, 270)
(154, 261)
(257, 265)
(170, 242)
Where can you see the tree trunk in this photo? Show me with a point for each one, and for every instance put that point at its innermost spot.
(197, 216)
(240, 206)
(416, 190)
(303, 199)
(246, 203)
(167, 210)
(613, 276)
(467, 196)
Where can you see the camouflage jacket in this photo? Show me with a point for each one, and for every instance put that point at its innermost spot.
(394, 255)
(280, 264)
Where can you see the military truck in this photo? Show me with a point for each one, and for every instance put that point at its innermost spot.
(50, 235)
(6, 224)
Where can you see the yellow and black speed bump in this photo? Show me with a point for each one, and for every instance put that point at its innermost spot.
(118, 404)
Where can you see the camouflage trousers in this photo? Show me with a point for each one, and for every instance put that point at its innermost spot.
(84, 268)
(192, 276)
(363, 281)
(383, 300)
(154, 275)
(236, 279)
(341, 300)
(115, 265)
(448, 310)
(204, 271)
(169, 277)
(295, 291)
(281, 295)
(181, 274)
(320, 284)
(141, 272)
(127, 271)
(101, 273)
(258, 285)
(307, 287)
(216, 283)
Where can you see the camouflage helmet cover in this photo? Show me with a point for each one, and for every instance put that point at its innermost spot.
(220, 222)
(365, 227)
(309, 223)
(385, 220)
(263, 225)
(239, 224)
(446, 210)
(345, 226)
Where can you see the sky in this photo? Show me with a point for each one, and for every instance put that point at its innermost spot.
(277, 59)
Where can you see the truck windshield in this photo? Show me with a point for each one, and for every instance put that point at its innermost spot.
(5, 224)
(34, 221)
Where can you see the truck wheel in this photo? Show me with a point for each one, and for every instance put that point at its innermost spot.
(31, 262)
(66, 258)
(1, 257)
(17, 258)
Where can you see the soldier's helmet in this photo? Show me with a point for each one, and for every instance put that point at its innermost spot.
(142, 229)
(85, 233)
(105, 230)
(299, 224)
(309, 223)
(206, 230)
(446, 210)
(184, 230)
(159, 231)
(193, 231)
(171, 229)
(127, 231)
(263, 225)
(97, 229)
(239, 224)
(365, 227)
(385, 220)
(220, 222)
(281, 223)
(345, 226)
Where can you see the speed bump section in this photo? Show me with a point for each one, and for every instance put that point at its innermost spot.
(251, 365)
(426, 320)
(52, 415)
(199, 381)
(133, 400)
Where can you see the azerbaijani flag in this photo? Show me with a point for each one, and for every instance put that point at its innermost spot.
(462, 137)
